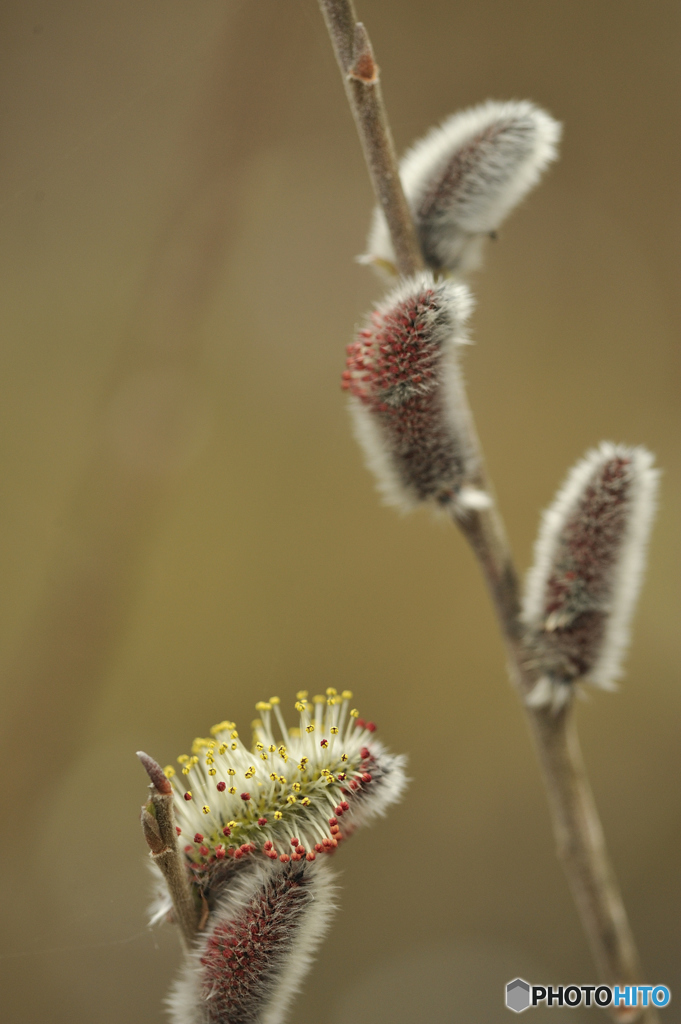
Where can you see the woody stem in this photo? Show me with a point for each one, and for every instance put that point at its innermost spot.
(577, 829)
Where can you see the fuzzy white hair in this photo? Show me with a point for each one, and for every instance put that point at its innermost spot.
(465, 176)
(371, 433)
(628, 568)
(189, 1001)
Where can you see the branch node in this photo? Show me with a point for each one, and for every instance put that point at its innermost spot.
(364, 67)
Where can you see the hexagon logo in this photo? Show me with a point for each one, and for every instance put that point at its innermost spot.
(517, 995)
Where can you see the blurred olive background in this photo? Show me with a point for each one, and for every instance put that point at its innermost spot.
(187, 523)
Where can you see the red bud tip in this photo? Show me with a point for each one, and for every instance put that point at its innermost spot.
(360, 723)
(366, 777)
(245, 796)
(155, 773)
(198, 838)
(284, 858)
(226, 831)
(222, 786)
(345, 805)
(262, 821)
(187, 795)
(371, 726)
(220, 851)
(311, 855)
(178, 830)
(339, 810)
(294, 841)
(332, 821)
(365, 753)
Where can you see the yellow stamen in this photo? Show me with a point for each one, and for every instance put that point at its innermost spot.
(169, 771)
(347, 695)
(302, 694)
(206, 809)
(221, 727)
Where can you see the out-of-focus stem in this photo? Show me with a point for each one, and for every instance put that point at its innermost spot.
(158, 826)
(361, 77)
(579, 836)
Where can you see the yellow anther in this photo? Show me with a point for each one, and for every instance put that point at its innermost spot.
(233, 824)
(274, 700)
(282, 779)
(334, 730)
(221, 727)
(264, 756)
(344, 757)
(263, 705)
(198, 744)
(301, 767)
(256, 724)
(273, 776)
(325, 772)
(231, 771)
(297, 787)
(194, 759)
(210, 760)
(169, 771)
(234, 746)
(260, 746)
(310, 727)
(187, 769)
(235, 734)
(331, 691)
(319, 699)
(291, 799)
(299, 706)
(281, 750)
(295, 732)
(206, 809)
(232, 790)
(278, 815)
(355, 713)
(188, 793)
(212, 771)
(183, 758)
(304, 760)
(272, 749)
(302, 694)
(347, 695)
(305, 801)
(222, 748)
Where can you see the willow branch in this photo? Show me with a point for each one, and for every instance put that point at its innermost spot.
(158, 826)
(577, 829)
(360, 73)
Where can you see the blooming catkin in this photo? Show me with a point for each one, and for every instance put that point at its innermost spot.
(256, 827)
(464, 177)
(407, 396)
(589, 561)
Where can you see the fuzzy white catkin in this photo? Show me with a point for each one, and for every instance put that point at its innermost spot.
(612, 587)
(407, 396)
(296, 907)
(465, 176)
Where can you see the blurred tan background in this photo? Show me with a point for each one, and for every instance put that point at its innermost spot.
(187, 526)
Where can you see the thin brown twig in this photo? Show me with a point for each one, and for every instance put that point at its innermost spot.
(363, 88)
(158, 826)
(578, 832)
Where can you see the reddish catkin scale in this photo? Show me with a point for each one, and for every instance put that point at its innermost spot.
(407, 397)
(221, 787)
